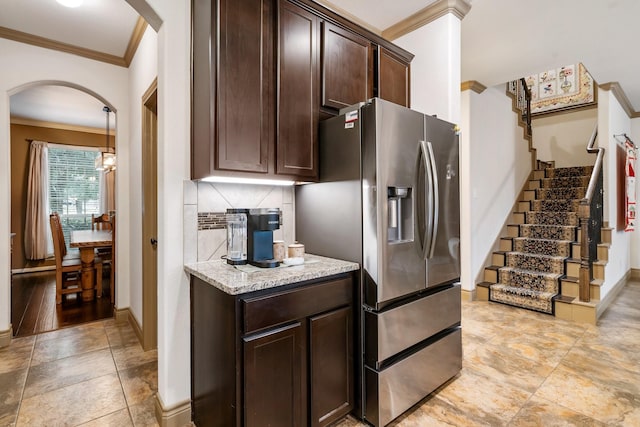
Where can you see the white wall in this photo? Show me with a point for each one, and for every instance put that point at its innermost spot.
(496, 163)
(24, 65)
(635, 236)
(612, 120)
(142, 71)
(173, 168)
(435, 70)
(564, 137)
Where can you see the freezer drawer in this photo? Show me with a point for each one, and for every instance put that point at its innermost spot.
(392, 391)
(391, 331)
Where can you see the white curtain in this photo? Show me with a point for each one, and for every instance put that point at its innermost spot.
(37, 233)
(107, 191)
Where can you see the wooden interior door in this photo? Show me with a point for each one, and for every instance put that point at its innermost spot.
(150, 218)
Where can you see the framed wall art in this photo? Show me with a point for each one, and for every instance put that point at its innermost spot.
(561, 88)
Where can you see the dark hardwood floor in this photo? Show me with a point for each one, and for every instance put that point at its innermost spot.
(34, 309)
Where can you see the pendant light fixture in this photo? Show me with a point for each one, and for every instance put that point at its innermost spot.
(106, 160)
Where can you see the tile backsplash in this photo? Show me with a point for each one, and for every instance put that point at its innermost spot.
(205, 204)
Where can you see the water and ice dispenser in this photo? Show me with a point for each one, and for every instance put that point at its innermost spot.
(400, 214)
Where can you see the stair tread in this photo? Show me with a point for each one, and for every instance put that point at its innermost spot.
(522, 291)
(563, 298)
(555, 257)
(545, 225)
(538, 273)
(543, 240)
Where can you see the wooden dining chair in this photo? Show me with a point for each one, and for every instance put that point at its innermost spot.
(65, 253)
(100, 222)
(68, 270)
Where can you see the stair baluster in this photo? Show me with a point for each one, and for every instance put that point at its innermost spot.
(590, 214)
(522, 94)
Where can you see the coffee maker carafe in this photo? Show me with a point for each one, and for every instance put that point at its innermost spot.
(236, 236)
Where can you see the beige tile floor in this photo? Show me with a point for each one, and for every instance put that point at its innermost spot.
(520, 368)
(91, 375)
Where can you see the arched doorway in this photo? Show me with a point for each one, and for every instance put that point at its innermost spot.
(75, 134)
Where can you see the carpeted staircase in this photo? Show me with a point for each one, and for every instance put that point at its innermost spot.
(528, 273)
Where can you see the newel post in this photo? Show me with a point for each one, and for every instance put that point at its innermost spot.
(584, 213)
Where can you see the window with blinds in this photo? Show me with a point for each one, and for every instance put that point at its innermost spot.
(74, 187)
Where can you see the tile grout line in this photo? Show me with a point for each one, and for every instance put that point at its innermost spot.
(547, 378)
(126, 401)
(26, 377)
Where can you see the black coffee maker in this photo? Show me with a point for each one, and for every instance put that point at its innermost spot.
(260, 225)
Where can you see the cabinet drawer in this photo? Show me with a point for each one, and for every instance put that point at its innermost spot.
(279, 307)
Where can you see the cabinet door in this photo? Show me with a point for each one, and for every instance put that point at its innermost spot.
(245, 112)
(393, 78)
(331, 366)
(275, 377)
(298, 92)
(347, 67)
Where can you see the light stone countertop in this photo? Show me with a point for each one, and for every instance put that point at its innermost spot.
(247, 278)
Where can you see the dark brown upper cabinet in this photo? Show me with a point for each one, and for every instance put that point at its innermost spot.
(298, 92)
(263, 74)
(245, 107)
(393, 77)
(347, 67)
(233, 105)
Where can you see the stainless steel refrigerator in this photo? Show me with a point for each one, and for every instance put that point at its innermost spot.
(388, 198)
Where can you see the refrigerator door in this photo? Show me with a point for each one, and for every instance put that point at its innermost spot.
(392, 261)
(443, 240)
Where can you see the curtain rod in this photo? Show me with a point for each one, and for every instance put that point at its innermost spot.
(626, 139)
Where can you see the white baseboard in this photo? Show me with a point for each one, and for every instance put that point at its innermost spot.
(178, 415)
(612, 294)
(5, 337)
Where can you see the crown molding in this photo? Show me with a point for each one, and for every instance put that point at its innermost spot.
(473, 85)
(134, 41)
(31, 39)
(14, 120)
(618, 92)
(125, 61)
(150, 15)
(351, 17)
(458, 8)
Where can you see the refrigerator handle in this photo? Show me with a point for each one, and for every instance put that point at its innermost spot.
(435, 198)
(425, 217)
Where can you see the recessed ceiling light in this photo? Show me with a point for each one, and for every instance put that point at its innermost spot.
(70, 3)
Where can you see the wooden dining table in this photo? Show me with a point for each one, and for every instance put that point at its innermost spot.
(87, 241)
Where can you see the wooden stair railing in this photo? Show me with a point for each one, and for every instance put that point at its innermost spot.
(522, 94)
(590, 215)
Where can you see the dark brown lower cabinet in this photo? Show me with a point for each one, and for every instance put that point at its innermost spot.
(280, 357)
(275, 389)
(331, 366)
